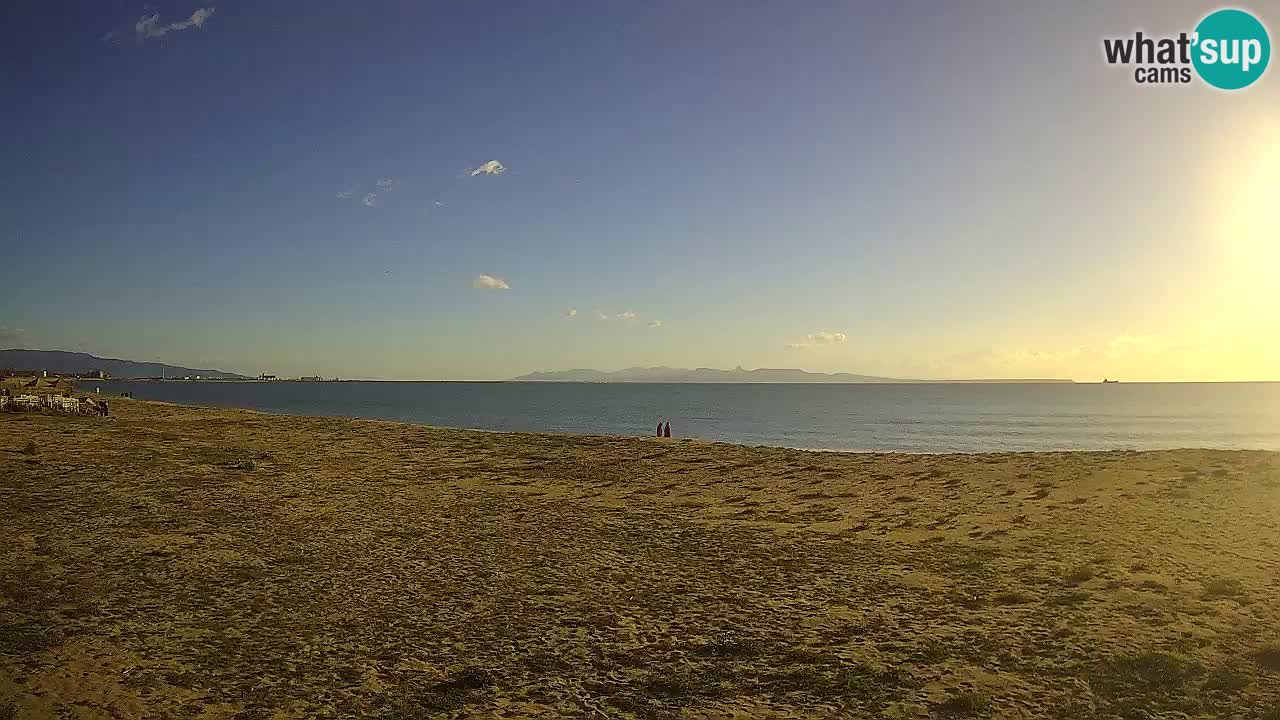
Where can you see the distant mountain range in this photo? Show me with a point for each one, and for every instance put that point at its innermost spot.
(58, 361)
(736, 375)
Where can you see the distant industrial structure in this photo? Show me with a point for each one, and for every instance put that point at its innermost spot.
(45, 374)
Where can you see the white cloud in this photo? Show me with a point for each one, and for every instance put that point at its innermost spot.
(370, 199)
(571, 312)
(148, 26)
(628, 315)
(493, 167)
(489, 282)
(821, 337)
(655, 323)
(827, 338)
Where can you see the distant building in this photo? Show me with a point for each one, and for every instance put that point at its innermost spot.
(311, 378)
(266, 376)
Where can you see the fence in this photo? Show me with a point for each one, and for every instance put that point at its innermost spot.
(56, 403)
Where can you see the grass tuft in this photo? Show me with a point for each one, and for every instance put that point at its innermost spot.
(728, 646)
(1078, 574)
(1269, 657)
(1012, 597)
(1223, 587)
(963, 704)
(1150, 672)
(1226, 680)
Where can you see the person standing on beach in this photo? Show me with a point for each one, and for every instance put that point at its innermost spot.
(659, 428)
(666, 431)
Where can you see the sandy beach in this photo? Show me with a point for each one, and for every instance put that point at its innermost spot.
(174, 562)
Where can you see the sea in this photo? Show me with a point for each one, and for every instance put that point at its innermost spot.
(916, 418)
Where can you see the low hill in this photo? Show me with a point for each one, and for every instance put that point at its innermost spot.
(737, 375)
(702, 375)
(62, 362)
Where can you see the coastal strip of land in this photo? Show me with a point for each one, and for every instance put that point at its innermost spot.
(179, 562)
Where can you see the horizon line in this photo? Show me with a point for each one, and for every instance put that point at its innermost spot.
(881, 379)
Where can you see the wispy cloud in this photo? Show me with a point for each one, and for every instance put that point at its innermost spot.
(489, 282)
(655, 323)
(382, 186)
(571, 312)
(827, 338)
(822, 337)
(628, 315)
(493, 167)
(148, 26)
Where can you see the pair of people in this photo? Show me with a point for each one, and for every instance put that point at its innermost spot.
(664, 430)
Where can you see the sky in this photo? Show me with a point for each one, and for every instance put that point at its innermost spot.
(480, 189)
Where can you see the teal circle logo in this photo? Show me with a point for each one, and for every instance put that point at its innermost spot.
(1231, 49)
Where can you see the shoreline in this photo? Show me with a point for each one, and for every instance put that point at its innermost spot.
(744, 445)
(690, 440)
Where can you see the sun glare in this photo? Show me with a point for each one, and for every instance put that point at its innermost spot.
(1237, 315)
(1251, 213)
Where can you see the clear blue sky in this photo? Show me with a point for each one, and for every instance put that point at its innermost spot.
(946, 189)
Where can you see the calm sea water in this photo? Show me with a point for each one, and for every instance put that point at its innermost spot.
(912, 418)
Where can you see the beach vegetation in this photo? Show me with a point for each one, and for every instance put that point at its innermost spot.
(1227, 680)
(1012, 597)
(1269, 657)
(1219, 588)
(963, 703)
(1150, 671)
(1078, 574)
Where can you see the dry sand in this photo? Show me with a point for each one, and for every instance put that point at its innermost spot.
(175, 562)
